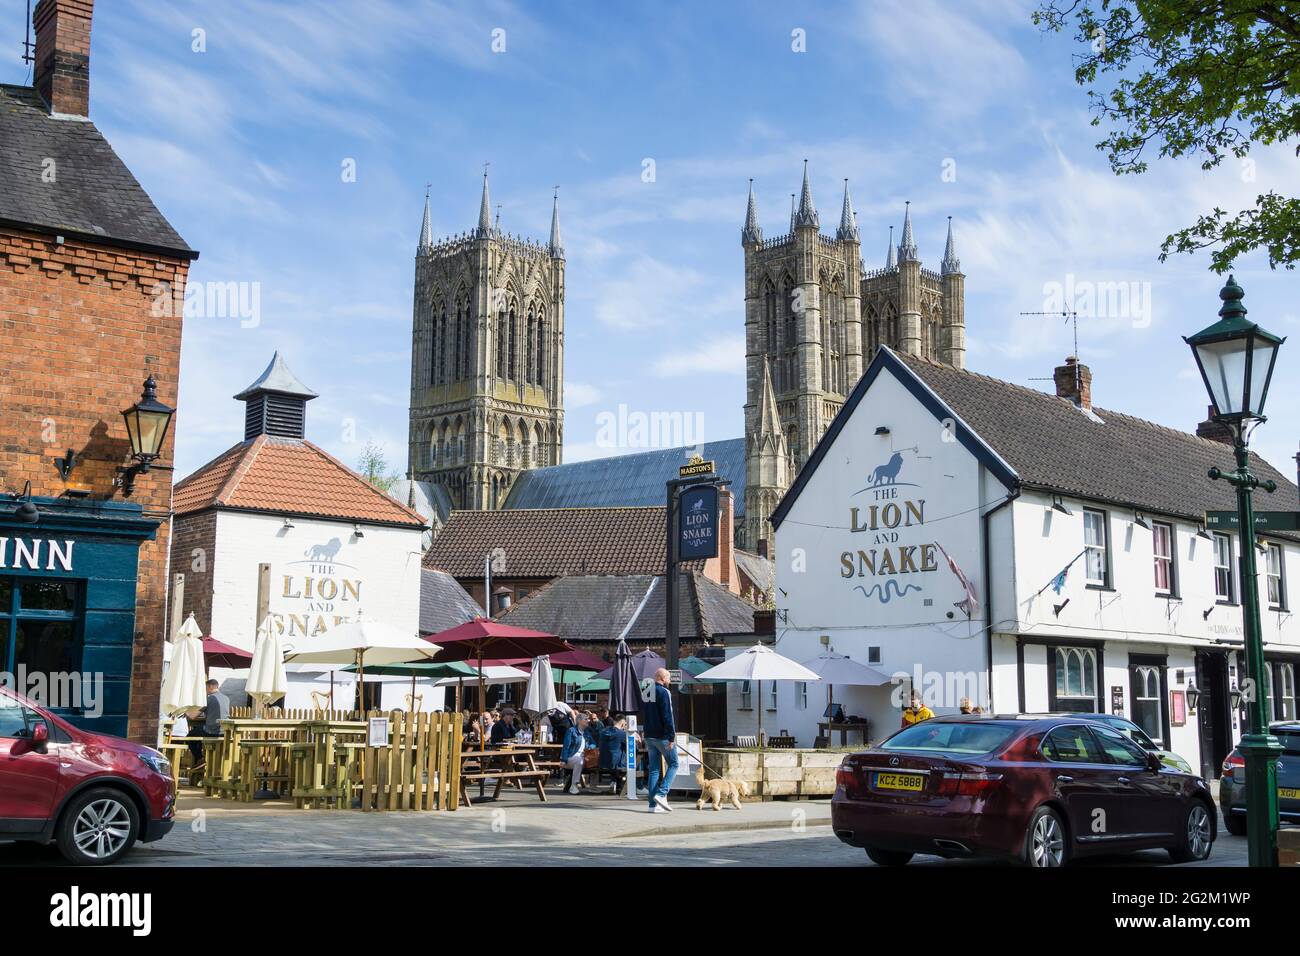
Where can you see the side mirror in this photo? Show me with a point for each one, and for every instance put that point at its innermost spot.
(1154, 763)
(40, 734)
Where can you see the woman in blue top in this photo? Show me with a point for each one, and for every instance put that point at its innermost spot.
(613, 753)
(575, 744)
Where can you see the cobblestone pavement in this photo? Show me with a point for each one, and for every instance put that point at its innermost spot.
(519, 830)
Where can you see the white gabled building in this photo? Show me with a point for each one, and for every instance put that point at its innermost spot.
(1094, 586)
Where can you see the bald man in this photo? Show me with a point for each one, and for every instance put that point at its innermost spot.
(660, 743)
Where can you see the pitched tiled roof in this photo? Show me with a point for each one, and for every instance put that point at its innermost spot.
(1117, 458)
(92, 194)
(551, 542)
(287, 476)
(598, 608)
(624, 480)
(760, 570)
(443, 602)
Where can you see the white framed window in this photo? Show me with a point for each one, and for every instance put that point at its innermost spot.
(1223, 577)
(1095, 543)
(1282, 690)
(771, 695)
(746, 696)
(1162, 554)
(801, 694)
(1275, 576)
(1076, 673)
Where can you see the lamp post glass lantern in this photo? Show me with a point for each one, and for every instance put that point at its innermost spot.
(1236, 359)
(146, 428)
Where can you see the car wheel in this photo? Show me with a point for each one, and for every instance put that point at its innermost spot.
(1235, 823)
(888, 857)
(1045, 841)
(98, 827)
(1197, 836)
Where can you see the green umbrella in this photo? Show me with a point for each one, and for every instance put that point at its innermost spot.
(594, 686)
(571, 675)
(430, 669)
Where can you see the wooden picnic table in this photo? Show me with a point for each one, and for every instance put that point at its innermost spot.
(499, 763)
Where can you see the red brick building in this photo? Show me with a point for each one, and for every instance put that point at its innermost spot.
(90, 272)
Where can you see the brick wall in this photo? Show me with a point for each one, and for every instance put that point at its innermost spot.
(193, 549)
(79, 335)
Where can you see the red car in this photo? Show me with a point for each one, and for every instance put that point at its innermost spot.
(1038, 790)
(92, 794)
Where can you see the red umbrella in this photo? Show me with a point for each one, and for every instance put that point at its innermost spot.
(573, 660)
(217, 654)
(485, 638)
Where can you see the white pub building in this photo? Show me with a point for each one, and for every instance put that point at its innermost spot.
(972, 538)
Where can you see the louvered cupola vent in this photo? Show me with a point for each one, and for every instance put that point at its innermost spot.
(276, 404)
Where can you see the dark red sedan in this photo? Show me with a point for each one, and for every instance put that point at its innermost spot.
(1040, 790)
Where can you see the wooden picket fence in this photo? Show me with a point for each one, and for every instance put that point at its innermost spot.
(302, 713)
(420, 767)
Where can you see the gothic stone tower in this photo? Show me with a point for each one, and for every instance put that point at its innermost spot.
(814, 319)
(487, 359)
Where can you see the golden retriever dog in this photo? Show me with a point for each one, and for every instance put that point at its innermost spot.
(719, 791)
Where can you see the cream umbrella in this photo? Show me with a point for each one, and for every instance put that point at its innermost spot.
(266, 678)
(539, 695)
(183, 686)
(840, 669)
(758, 663)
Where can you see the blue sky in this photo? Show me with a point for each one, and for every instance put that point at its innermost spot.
(243, 147)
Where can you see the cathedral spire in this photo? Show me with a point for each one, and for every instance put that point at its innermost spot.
(807, 215)
(951, 265)
(769, 417)
(752, 233)
(485, 209)
(907, 248)
(848, 231)
(891, 257)
(792, 207)
(556, 248)
(426, 227)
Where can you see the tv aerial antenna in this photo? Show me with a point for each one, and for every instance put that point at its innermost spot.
(29, 48)
(1071, 316)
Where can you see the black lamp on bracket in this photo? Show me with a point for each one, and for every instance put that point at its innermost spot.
(1059, 505)
(1193, 697)
(146, 427)
(26, 512)
(1140, 520)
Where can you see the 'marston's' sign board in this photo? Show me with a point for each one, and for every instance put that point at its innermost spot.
(695, 468)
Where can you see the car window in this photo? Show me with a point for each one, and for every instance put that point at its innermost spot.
(13, 723)
(1134, 733)
(1119, 748)
(1072, 743)
(1290, 741)
(953, 738)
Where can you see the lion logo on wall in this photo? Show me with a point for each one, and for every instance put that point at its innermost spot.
(324, 552)
(887, 474)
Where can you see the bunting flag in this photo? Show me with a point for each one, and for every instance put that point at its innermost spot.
(970, 602)
(1058, 582)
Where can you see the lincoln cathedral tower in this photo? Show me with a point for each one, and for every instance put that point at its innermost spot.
(487, 359)
(814, 318)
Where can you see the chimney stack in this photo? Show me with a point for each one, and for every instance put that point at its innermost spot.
(62, 69)
(1074, 382)
(1213, 430)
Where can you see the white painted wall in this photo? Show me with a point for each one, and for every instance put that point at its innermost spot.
(381, 568)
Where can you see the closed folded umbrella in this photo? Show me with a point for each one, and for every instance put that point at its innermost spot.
(266, 680)
(183, 687)
(539, 695)
(644, 665)
(624, 694)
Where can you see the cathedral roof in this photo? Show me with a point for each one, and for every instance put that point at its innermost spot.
(624, 480)
(807, 214)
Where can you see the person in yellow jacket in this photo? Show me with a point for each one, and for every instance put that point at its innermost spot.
(916, 711)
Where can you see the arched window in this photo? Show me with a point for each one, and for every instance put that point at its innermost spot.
(542, 346)
(461, 363)
(512, 370)
(503, 342)
(1076, 672)
(530, 355)
(789, 339)
(770, 345)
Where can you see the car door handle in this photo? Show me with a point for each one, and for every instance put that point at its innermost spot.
(1124, 780)
(1063, 778)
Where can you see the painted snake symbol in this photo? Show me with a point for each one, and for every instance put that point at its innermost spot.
(882, 591)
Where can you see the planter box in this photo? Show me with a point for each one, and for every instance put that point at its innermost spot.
(777, 773)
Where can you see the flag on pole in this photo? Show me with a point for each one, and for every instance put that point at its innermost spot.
(970, 602)
(1058, 582)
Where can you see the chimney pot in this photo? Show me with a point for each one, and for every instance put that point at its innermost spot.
(61, 73)
(1074, 382)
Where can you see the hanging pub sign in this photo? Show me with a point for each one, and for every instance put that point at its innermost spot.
(697, 524)
(695, 467)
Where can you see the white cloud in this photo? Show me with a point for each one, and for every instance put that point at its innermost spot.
(725, 355)
(580, 394)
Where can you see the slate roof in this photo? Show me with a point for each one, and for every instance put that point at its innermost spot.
(443, 602)
(1050, 445)
(291, 477)
(760, 570)
(624, 480)
(596, 608)
(551, 542)
(93, 194)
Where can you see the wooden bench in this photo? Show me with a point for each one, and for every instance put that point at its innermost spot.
(536, 777)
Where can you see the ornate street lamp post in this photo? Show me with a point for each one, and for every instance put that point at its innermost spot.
(1236, 359)
(146, 428)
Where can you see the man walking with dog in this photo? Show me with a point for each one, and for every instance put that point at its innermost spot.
(660, 742)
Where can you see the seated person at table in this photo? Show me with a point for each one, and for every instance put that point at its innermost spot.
(575, 746)
(208, 723)
(592, 731)
(613, 752)
(504, 729)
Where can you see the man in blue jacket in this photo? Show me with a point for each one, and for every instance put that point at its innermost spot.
(660, 743)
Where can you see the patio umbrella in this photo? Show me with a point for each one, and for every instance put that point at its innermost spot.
(427, 669)
(266, 680)
(183, 687)
(219, 654)
(624, 695)
(485, 638)
(840, 669)
(574, 659)
(644, 665)
(360, 643)
(539, 695)
(758, 663)
(596, 685)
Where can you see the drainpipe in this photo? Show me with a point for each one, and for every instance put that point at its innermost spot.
(988, 583)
